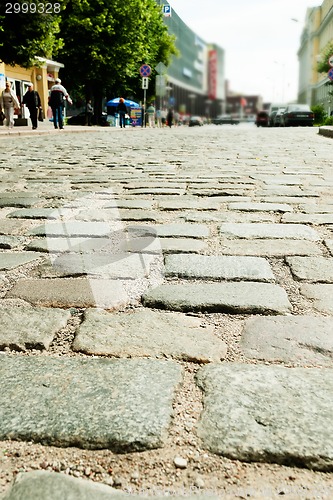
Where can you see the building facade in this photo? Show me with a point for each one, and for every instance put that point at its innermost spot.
(195, 81)
(42, 75)
(317, 34)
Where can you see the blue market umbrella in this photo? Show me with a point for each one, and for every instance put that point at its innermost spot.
(128, 103)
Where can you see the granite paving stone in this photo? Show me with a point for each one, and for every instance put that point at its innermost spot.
(167, 191)
(72, 229)
(141, 215)
(182, 230)
(188, 204)
(42, 485)
(34, 213)
(229, 216)
(16, 201)
(24, 328)
(300, 340)
(246, 297)
(146, 183)
(122, 405)
(7, 242)
(108, 265)
(179, 245)
(270, 247)
(280, 190)
(133, 204)
(312, 269)
(12, 260)
(314, 208)
(131, 239)
(146, 333)
(257, 230)
(315, 219)
(268, 414)
(219, 267)
(71, 292)
(321, 295)
(328, 243)
(260, 207)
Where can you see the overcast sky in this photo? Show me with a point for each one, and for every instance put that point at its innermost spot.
(260, 39)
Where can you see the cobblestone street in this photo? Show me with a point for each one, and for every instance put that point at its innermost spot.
(166, 313)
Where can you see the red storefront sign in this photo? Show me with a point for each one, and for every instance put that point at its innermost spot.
(212, 74)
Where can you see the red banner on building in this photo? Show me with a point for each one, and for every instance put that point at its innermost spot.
(212, 74)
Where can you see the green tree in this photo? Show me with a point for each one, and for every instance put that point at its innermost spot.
(319, 114)
(28, 30)
(106, 42)
(323, 65)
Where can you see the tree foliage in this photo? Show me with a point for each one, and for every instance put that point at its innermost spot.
(25, 34)
(323, 66)
(106, 42)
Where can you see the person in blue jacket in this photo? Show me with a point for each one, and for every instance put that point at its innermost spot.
(122, 111)
(57, 99)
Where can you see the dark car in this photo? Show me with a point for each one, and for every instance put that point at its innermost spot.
(195, 121)
(81, 119)
(277, 118)
(225, 119)
(297, 114)
(262, 119)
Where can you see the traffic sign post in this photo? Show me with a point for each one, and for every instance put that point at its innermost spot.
(145, 70)
(166, 10)
(145, 82)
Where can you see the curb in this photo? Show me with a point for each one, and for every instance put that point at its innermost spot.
(326, 131)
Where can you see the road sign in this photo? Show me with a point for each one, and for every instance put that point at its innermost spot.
(160, 85)
(145, 82)
(161, 68)
(330, 74)
(166, 10)
(145, 70)
(330, 60)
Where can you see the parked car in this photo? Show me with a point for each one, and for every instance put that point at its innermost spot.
(80, 119)
(271, 119)
(225, 119)
(262, 119)
(277, 117)
(195, 121)
(297, 114)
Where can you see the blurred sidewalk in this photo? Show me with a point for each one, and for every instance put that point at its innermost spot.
(46, 127)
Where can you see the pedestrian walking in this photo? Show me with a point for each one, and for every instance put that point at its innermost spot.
(9, 103)
(159, 118)
(163, 117)
(57, 99)
(121, 109)
(170, 118)
(89, 113)
(151, 116)
(32, 100)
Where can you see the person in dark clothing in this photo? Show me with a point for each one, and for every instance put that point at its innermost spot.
(122, 110)
(32, 100)
(89, 113)
(56, 101)
(170, 118)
